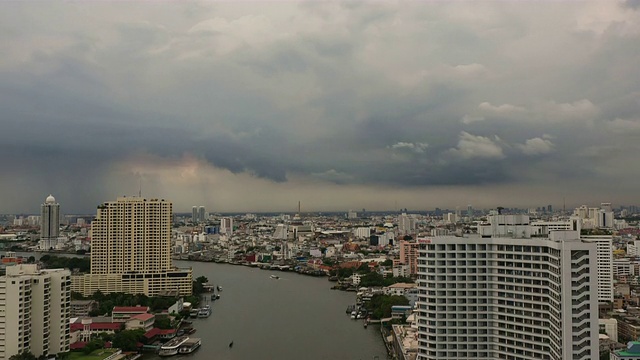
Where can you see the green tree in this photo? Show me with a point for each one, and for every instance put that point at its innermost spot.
(106, 336)
(162, 322)
(388, 262)
(193, 300)
(363, 269)
(92, 345)
(202, 280)
(127, 340)
(27, 355)
(380, 305)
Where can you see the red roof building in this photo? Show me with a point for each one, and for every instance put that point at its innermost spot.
(124, 313)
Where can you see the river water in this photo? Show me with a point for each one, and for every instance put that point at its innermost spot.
(294, 317)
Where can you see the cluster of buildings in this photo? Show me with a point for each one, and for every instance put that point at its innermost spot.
(526, 285)
(130, 253)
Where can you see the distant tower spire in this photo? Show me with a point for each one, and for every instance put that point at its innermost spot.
(140, 187)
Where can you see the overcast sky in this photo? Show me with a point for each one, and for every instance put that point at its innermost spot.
(254, 106)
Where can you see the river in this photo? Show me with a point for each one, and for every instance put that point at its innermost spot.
(294, 317)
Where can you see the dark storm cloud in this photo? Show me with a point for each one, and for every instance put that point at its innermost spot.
(392, 97)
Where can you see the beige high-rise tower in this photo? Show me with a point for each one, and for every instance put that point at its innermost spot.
(131, 234)
(131, 250)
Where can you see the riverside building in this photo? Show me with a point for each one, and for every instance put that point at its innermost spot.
(504, 295)
(131, 250)
(34, 311)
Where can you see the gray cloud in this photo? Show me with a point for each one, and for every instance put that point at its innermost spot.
(330, 95)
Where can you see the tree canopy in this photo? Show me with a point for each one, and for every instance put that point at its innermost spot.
(380, 305)
(127, 340)
(82, 264)
(24, 356)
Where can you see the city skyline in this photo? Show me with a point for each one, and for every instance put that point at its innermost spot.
(256, 106)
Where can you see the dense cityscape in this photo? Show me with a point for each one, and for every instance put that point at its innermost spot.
(540, 282)
(325, 180)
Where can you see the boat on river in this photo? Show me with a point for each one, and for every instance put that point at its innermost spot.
(190, 346)
(172, 346)
(205, 312)
(276, 277)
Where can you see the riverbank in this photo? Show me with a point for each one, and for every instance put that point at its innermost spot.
(291, 302)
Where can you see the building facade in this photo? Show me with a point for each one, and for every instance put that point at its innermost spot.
(604, 254)
(131, 250)
(34, 311)
(409, 255)
(49, 223)
(508, 297)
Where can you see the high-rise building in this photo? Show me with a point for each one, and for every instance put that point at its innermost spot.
(34, 311)
(226, 226)
(604, 254)
(201, 214)
(409, 255)
(131, 250)
(406, 224)
(507, 295)
(50, 223)
(194, 214)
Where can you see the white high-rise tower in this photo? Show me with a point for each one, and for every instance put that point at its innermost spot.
(50, 223)
(506, 295)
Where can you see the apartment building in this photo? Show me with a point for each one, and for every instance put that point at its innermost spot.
(604, 256)
(505, 295)
(409, 255)
(131, 250)
(34, 311)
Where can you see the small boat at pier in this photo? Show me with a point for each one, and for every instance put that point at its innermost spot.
(205, 312)
(172, 346)
(190, 346)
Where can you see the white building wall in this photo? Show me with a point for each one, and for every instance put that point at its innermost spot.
(34, 311)
(604, 253)
(504, 298)
(610, 327)
(362, 232)
(622, 267)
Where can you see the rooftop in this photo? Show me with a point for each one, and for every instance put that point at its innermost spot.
(131, 309)
(143, 317)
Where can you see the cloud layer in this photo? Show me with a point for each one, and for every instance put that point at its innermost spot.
(243, 106)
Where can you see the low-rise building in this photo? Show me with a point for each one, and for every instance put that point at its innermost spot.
(84, 329)
(609, 327)
(628, 328)
(399, 289)
(405, 340)
(632, 352)
(140, 321)
(82, 308)
(121, 314)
